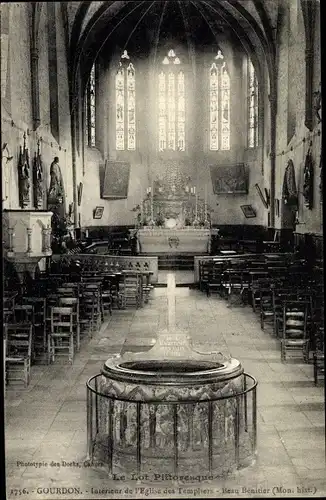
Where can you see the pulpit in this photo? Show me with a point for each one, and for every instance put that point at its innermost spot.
(26, 239)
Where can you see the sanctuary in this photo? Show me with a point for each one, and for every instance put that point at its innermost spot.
(173, 218)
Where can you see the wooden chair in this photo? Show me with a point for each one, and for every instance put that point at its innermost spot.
(116, 295)
(72, 286)
(107, 296)
(257, 280)
(294, 328)
(147, 287)
(67, 291)
(266, 306)
(318, 355)
(18, 352)
(281, 294)
(90, 307)
(73, 303)
(236, 280)
(9, 299)
(204, 273)
(131, 289)
(24, 313)
(61, 336)
(40, 335)
(215, 277)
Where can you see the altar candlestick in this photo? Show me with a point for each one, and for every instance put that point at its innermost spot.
(196, 207)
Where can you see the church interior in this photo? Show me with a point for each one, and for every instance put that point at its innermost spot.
(162, 213)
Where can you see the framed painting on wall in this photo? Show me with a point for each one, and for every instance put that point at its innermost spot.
(116, 180)
(229, 179)
(248, 211)
(98, 212)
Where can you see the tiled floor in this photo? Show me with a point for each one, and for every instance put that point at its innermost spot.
(181, 277)
(46, 423)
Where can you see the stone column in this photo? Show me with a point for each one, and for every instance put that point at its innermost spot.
(35, 88)
(272, 99)
(11, 239)
(46, 233)
(29, 240)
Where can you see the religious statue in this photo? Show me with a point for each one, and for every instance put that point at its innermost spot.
(23, 170)
(308, 181)
(317, 105)
(289, 189)
(56, 191)
(56, 203)
(38, 179)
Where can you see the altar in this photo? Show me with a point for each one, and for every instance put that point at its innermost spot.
(187, 240)
(173, 218)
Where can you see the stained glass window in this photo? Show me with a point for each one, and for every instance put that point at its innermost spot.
(225, 108)
(181, 111)
(171, 111)
(213, 113)
(171, 105)
(90, 108)
(131, 100)
(161, 111)
(125, 102)
(120, 108)
(219, 105)
(252, 106)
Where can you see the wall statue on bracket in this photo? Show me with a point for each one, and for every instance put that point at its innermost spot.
(56, 194)
(24, 175)
(308, 182)
(38, 179)
(289, 189)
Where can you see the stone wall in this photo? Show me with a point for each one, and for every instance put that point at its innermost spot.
(292, 68)
(17, 117)
(147, 163)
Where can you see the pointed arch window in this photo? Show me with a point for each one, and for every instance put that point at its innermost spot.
(171, 105)
(91, 109)
(219, 104)
(252, 106)
(125, 103)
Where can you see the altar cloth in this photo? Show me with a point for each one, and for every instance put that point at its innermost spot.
(188, 240)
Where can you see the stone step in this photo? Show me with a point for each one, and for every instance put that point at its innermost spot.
(176, 262)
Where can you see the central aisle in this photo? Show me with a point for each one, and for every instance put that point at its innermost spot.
(47, 421)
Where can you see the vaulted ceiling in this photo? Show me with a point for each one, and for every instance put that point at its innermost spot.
(142, 25)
